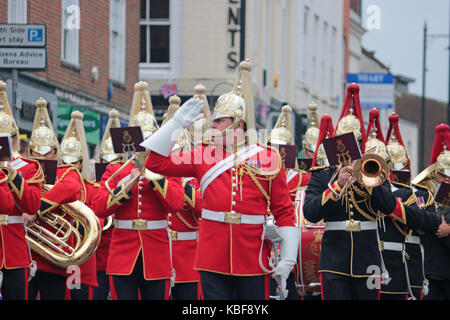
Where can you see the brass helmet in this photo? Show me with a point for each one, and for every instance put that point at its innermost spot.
(326, 131)
(7, 122)
(198, 129)
(43, 138)
(440, 159)
(238, 104)
(351, 116)
(142, 110)
(374, 141)
(312, 134)
(74, 146)
(183, 143)
(106, 146)
(394, 144)
(441, 152)
(282, 132)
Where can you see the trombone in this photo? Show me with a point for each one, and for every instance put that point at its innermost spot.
(370, 171)
(149, 175)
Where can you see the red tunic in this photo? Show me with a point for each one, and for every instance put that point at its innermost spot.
(296, 179)
(186, 220)
(68, 188)
(21, 194)
(103, 248)
(89, 267)
(232, 248)
(148, 201)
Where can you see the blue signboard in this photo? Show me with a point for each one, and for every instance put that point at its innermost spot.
(376, 89)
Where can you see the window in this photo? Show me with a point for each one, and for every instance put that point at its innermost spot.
(17, 11)
(305, 42)
(160, 38)
(70, 41)
(117, 40)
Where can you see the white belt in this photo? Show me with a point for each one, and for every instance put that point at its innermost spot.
(413, 239)
(140, 224)
(393, 246)
(232, 217)
(183, 236)
(350, 225)
(5, 219)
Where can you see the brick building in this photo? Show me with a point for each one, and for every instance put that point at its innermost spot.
(92, 60)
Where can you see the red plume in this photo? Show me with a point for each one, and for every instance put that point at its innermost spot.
(393, 125)
(326, 131)
(352, 100)
(441, 137)
(374, 120)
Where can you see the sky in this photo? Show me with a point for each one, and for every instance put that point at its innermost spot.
(398, 42)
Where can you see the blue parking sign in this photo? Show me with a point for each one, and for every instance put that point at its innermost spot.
(35, 35)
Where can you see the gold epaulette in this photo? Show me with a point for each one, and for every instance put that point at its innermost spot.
(116, 162)
(70, 168)
(93, 183)
(430, 200)
(316, 168)
(407, 186)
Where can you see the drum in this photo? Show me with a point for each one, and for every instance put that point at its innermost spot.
(307, 266)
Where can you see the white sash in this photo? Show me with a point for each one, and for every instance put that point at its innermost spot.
(291, 175)
(18, 164)
(226, 164)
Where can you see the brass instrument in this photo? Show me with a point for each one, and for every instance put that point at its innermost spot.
(370, 171)
(52, 244)
(109, 222)
(149, 175)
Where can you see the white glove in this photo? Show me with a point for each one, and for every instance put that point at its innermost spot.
(164, 139)
(189, 112)
(288, 253)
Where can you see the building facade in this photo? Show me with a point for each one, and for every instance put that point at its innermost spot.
(92, 64)
(296, 48)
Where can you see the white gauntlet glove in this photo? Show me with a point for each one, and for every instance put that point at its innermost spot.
(163, 140)
(288, 253)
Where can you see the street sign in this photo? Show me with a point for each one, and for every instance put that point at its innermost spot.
(376, 89)
(23, 58)
(22, 35)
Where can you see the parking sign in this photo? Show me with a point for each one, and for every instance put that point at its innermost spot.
(22, 35)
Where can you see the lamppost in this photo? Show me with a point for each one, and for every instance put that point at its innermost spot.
(427, 36)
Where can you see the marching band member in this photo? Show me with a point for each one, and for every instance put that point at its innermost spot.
(184, 224)
(282, 134)
(308, 283)
(88, 269)
(106, 155)
(350, 243)
(436, 247)
(139, 257)
(312, 134)
(393, 232)
(399, 161)
(20, 193)
(232, 255)
(50, 279)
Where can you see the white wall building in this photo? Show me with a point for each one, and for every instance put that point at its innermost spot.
(296, 48)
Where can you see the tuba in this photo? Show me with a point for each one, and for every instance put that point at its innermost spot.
(49, 235)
